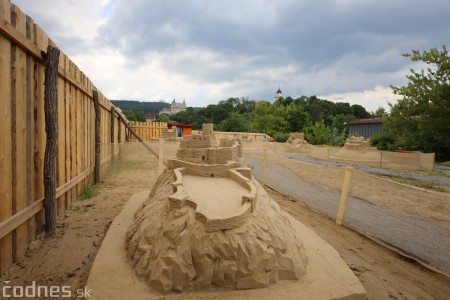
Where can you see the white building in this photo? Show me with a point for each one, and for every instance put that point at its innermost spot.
(174, 108)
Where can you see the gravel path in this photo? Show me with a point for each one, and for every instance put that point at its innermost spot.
(427, 242)
(378, 171)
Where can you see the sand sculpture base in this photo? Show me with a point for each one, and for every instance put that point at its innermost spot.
(183, 240)
(358, 150)
(326, 275)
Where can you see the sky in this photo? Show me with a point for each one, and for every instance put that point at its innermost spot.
(204, 51)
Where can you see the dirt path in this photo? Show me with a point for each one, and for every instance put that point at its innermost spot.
(423, 240)
(67, 258)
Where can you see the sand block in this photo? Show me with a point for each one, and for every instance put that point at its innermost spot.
(326, 276)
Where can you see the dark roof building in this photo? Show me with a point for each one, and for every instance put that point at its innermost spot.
(366, 127)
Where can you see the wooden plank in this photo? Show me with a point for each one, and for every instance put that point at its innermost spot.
(68, 141)
(119, 137)
(80, 148)
(73, 136)
(30, 98)
(61, 158)
(91, 123)
(36, 207)
(111, 129)
(18, 20)
(5, 140)
(19, 38)
(40, 135)
(85, 131)
(74, 80)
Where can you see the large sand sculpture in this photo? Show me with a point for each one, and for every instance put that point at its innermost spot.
(208, 224)
(358, 150)
(299, 144)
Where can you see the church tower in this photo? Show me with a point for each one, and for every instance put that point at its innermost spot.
(278, 94)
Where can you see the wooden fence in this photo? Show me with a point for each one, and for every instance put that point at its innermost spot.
(147, 130)
(23, 137)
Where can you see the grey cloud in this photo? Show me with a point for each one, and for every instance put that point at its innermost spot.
(320, 38)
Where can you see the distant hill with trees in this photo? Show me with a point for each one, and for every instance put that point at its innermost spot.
(146, 107)
(323, 121)
(136, 110)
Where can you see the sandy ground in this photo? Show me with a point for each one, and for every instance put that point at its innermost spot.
(66, 259)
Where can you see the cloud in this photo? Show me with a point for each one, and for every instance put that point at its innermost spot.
(379, 96)
(207, 51)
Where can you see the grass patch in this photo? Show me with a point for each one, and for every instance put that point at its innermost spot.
(417, 183)
(74, 207)
(436, 173)
(88, 192)
(120, 166)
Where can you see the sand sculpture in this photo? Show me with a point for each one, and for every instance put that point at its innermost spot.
(299, 144)
(169, 133)
(208, 223)
(357, 149)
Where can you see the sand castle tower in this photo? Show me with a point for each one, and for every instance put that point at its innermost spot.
(207, 224)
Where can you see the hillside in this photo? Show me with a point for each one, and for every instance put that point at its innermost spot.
(147, 107)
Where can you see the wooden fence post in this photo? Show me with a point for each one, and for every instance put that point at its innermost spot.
(127, 125)
(161, 156)
(97, 138)
(263, 174)
(51, 128)
(119, 140)
(113, 113)
(344, 195)
(381, 159)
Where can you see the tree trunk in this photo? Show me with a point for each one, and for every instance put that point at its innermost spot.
(97, 138)
(113, 115)
(51, 128)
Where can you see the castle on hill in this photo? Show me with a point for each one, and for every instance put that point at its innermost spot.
(174, 108)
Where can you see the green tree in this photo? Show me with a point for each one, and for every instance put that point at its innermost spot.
(340, 122)
(296, 117)
(270, 118)
(318, 133)
(135, 115)
(420, 120)
(380, 112)
(235, 122)
(163, 118)
(359, 111)
(343, 108)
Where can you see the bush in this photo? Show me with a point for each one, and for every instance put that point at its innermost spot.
(281, 137)
(384, 141)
